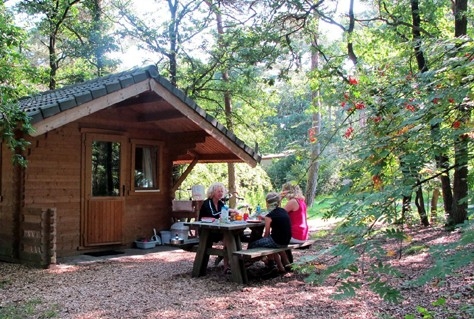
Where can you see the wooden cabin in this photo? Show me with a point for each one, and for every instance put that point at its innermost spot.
(100, 165)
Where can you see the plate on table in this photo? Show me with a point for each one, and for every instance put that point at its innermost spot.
(207, 220)
(253, 221)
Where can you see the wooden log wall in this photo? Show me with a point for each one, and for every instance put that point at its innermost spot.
(38, 237)
(52, 179)
(9, 206)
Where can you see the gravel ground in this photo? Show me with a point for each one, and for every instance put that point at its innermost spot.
(157, 283)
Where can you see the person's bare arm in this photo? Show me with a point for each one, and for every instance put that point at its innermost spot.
(268, 221)
(291, 205)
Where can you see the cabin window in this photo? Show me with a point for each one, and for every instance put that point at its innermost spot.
(146, 167)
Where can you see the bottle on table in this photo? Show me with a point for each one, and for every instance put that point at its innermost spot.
(225, 213)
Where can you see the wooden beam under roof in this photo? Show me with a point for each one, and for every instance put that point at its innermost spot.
(212, 127)
(160, 116)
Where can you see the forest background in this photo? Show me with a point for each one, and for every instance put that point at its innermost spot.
(376, 120)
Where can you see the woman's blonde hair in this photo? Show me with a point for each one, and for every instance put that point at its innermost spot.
(290, 190)
(214, 187)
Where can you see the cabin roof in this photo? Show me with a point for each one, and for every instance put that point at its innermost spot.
(142, 97)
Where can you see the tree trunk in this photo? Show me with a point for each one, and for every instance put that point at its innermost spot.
(99, 47)
(227, 104)
(173, 7)
(458, 213)
(434, 206)
(420, 204)
(442, 161)
(53, 62)
(312, 183)
(406, 209)
(232, 183)
(460, 185)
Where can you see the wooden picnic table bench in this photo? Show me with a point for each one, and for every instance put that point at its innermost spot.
(191, 245)
(231, 232)
(259, 252)
(203, 246)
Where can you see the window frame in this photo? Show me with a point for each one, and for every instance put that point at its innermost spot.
(135, 143)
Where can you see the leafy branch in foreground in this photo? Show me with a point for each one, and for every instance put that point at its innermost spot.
(14, 122)
(358, 260)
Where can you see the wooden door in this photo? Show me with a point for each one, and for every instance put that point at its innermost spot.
(103, 189)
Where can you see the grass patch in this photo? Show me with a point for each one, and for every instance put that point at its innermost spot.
(322, 233)
(321, 205)
(27, 310)
(415, 249)
(3, 283)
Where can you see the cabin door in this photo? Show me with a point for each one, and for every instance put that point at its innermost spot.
(104, 188)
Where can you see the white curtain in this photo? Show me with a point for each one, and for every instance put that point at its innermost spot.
(149, 163)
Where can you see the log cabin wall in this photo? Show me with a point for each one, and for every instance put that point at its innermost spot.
(139, 109)
(38, 237)
(143, 210)
(10, 184)
(53, 180)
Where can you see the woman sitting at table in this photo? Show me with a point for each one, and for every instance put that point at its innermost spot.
(296, 208)
(211, 207)
(277, 231)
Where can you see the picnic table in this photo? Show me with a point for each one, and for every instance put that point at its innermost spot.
(231, 232)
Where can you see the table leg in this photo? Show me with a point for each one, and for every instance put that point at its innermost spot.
(233, 243)
(202, 257)
(290, 255)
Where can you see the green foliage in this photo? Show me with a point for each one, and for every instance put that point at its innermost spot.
(3, 283)
(287, 169)
(70, 39)
(28, 310)
(394, 233)
(252, 183)
(386, 291)
(320, 206)
(14, 120)
(415, 249)
(425, 313)
(384, 122)
(346, 290)
(14, 69)
(394, 145)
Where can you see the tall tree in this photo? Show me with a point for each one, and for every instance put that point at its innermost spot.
(76, 37)
(16, 80)
(165, 38)
(458, 213)
(410, 75)
(315, 131)
(53, 18)
(214, 7)
(91, 38)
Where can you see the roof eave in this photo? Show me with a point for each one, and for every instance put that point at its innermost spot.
(196, 114)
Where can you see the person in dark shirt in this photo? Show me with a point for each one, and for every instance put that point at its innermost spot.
(277, 231)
